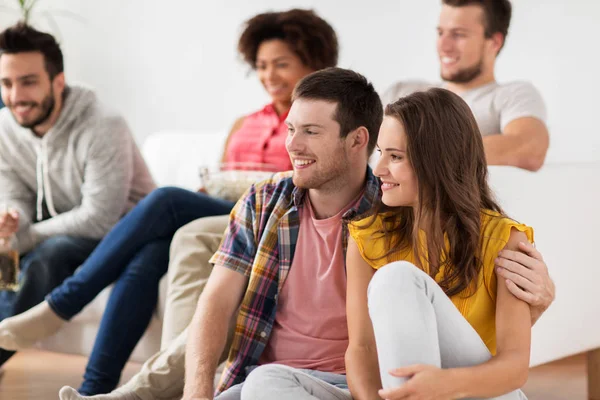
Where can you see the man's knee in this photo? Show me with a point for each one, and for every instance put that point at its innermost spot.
(195, 231)
(267, 377)
(195, 243)
(184, 236)
(198, 231)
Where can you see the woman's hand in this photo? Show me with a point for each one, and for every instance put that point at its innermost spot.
(426, 382)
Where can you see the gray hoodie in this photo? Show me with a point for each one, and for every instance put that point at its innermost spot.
(85, 172)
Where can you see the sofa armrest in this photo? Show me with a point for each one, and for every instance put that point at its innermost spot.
(561, 202)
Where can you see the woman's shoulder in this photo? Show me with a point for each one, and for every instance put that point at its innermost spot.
(237, 124)
(367, 225)
(267, 110)
(371, 235)
(496, 229)
(256, 117)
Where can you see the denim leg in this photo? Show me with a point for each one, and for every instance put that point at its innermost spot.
(44, 268)
(157, 216)
(7, 300)
(135, 254)
(128, 312)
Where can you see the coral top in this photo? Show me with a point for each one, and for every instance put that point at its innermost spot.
(261, 139)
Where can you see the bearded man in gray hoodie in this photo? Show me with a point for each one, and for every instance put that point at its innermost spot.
(69, 167)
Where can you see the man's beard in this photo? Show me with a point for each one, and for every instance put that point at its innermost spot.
(46, 108)
(330, 178)
(465, 75)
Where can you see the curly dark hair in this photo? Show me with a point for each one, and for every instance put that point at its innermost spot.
(307, 34)
(21, 38)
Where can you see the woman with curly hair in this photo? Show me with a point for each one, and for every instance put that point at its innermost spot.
(282, 47)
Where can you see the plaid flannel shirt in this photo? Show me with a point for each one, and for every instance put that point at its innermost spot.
(259, 243)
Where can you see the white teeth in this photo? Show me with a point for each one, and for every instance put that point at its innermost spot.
(301, 163)
(448, 60)
(389, 185)
(22, 108)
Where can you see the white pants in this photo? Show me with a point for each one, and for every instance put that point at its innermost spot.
(416, 323)
(279, 382)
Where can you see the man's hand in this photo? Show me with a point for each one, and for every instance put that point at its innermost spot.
(9, 223)
(527, 278)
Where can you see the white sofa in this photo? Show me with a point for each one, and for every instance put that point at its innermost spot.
(174, 159)
(562, 203)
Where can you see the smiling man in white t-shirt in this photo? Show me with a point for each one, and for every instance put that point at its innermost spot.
(511, 116)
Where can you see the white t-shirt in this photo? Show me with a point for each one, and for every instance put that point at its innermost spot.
(494, 105)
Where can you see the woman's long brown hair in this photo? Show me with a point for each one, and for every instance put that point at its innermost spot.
(445, 149)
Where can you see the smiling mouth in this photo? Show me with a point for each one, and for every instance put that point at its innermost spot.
(303, 163)
(22, 108)
(448, 60)
(275, 88)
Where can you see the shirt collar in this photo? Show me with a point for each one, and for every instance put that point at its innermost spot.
(270, 109)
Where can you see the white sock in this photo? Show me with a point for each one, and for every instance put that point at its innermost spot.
(26, 329)
(68, 393)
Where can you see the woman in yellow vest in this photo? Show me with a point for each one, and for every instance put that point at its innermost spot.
(427, 316)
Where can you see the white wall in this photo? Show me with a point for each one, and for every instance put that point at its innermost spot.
(173, 65)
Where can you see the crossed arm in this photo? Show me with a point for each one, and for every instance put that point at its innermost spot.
(523, 144)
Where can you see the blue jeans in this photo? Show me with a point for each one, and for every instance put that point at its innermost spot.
(43, 269)
(134, 256)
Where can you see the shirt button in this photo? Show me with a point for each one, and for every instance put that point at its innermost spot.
(263, 334)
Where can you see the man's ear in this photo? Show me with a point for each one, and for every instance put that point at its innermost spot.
(359, 138)
(58, 83)
(497, 42)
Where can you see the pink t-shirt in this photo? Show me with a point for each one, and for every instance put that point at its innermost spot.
(261, 139)
(310, 329)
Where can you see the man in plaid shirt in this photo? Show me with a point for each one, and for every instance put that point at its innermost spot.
(282, 261)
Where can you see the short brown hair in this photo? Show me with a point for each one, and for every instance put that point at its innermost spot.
(307, 34)
(358, 104)
(497, 14)
(22, 38)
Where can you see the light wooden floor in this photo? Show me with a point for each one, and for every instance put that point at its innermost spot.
(39, 375)
(36, 375)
